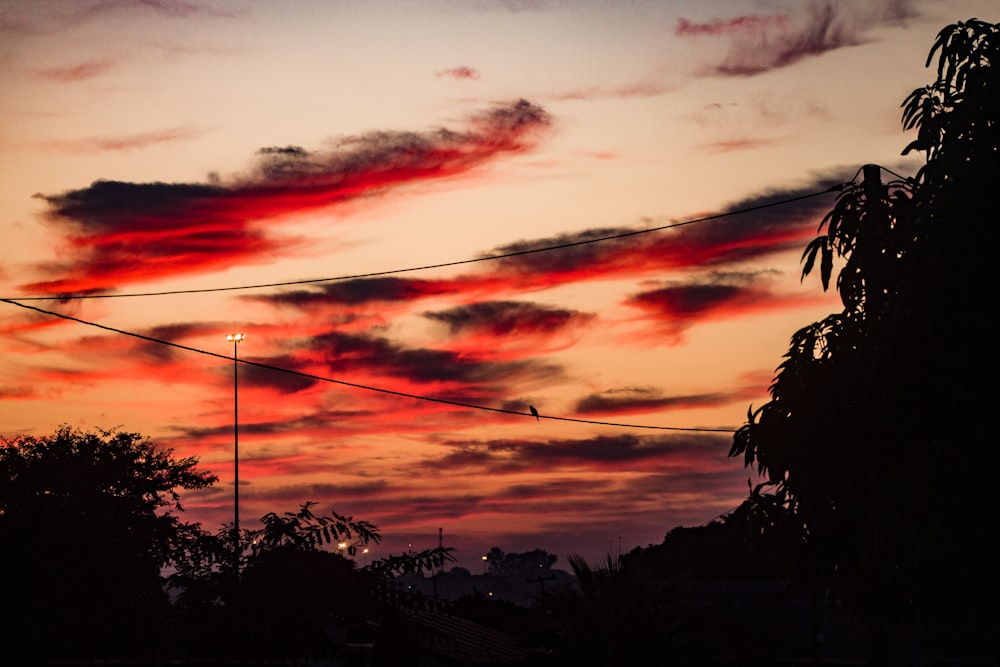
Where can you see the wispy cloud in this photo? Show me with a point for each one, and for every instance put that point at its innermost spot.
(27, 19)
(734, 26)
(635, 89)
(122, 143)
(631, 400)
(758, 43)
(80, 72)
(467, 73)
(620, 452)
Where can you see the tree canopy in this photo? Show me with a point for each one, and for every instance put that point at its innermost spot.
(87, 522)
(91, 543)
(534, 563)
(875, 443)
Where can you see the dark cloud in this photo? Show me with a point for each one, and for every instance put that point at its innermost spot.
(762, 43)
(343, 353)
(647, 399)
(283, 383)
(677, 305)
(173, 333)
(250, 424)
(120, 233)
(9, 393)
(359, 291)
(503, 318)
(681, 302)
(292, 496)
(617, 452)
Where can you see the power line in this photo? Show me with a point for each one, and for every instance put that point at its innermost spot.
(375, 274)
(354, 385)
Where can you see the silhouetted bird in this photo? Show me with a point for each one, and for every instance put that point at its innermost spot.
(534, 412)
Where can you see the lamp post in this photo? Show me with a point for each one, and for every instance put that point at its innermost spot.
(235, 339)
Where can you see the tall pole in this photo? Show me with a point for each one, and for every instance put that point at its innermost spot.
(236, 338)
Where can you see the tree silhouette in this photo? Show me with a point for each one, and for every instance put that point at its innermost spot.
(519, 565)
(297, 583)
(620, 613)
(87, 522)
(90, 544)
(875, 442)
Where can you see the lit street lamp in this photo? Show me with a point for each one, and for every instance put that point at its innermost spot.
(235, 339)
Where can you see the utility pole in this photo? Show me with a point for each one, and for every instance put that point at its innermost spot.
(235, 339)
(876, 232)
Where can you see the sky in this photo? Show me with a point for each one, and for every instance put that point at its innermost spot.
(427, 217)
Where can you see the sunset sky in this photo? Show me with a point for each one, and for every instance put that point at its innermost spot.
(331, 178)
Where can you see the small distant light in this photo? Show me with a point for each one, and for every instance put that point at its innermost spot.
(342, 545)
(235, 337)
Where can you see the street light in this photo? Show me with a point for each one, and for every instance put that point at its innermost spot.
(235, 339)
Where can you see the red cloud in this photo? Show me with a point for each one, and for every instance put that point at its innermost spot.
(459, 73)
(80, 72)
(629, 251)
(127, 232)
(486, 326)
(737, 145)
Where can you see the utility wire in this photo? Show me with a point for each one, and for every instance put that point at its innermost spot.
(375, 274)
(354, 385)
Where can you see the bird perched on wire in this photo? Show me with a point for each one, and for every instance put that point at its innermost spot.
(534, 412)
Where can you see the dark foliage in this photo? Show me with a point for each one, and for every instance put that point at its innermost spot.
(534, 563)
(86, 524)
(299, 593)
(875, 443)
